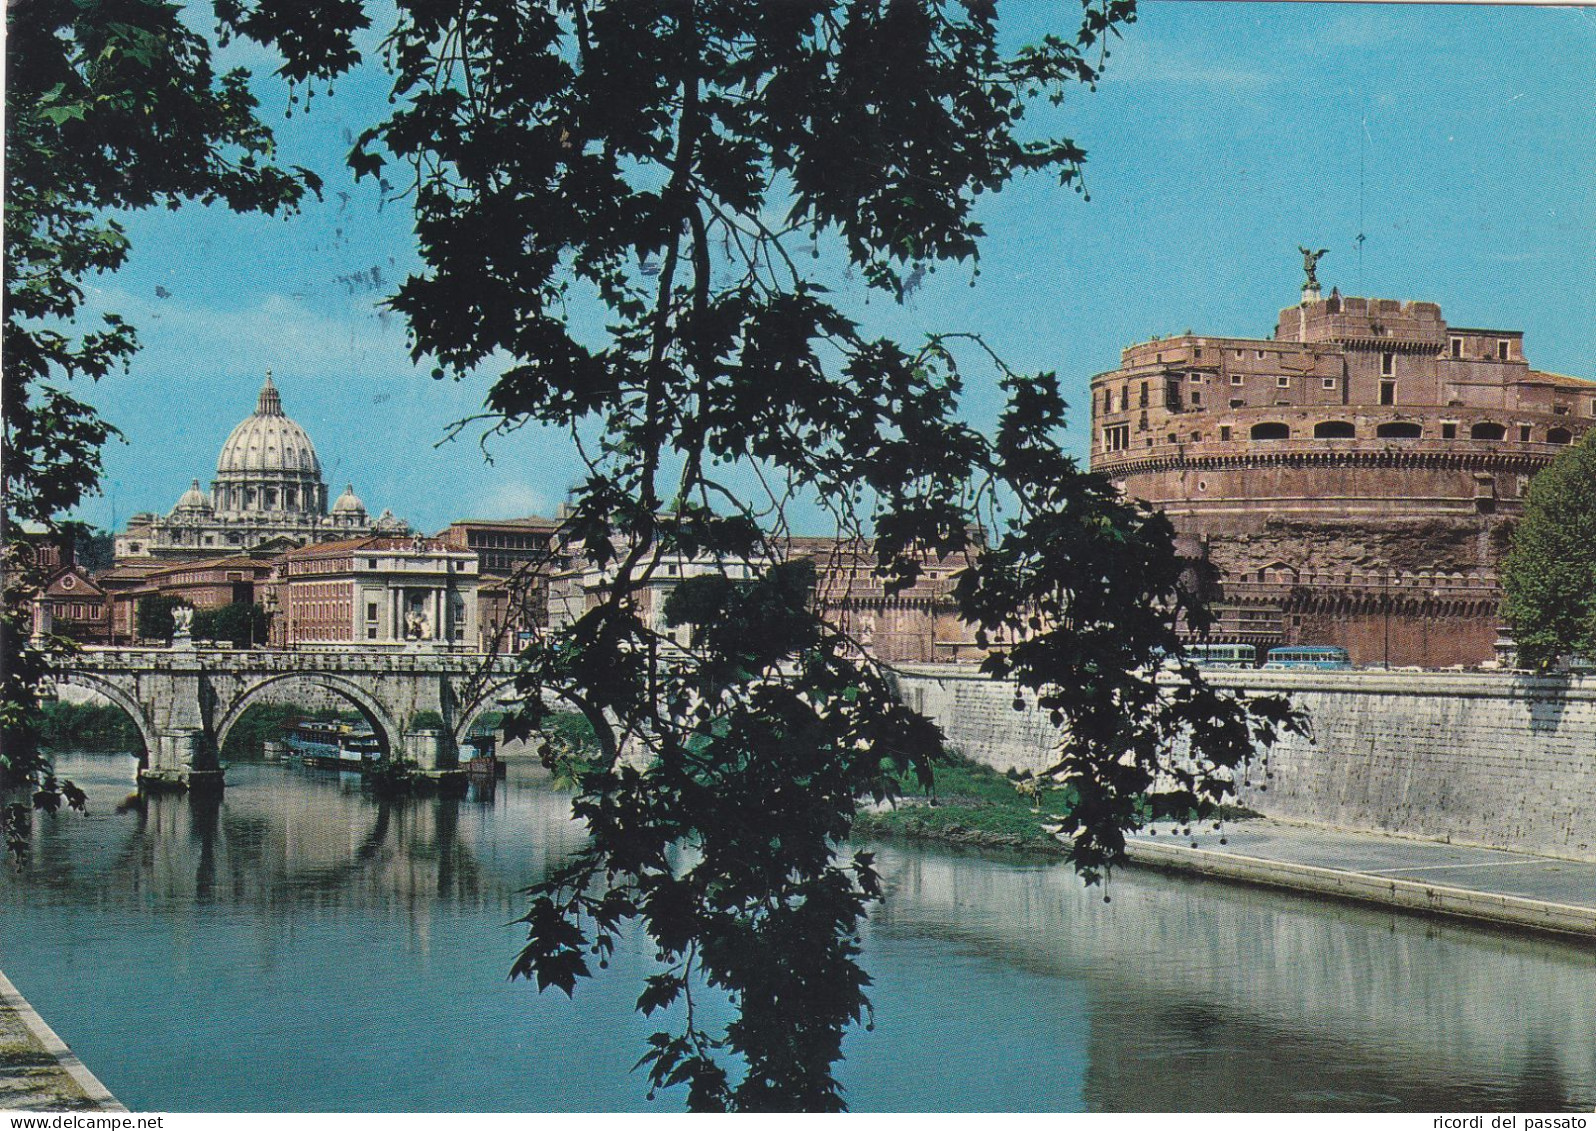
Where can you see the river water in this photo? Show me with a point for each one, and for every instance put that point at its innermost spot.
(302, 946)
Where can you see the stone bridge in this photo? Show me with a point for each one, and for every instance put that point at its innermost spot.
(186, 700)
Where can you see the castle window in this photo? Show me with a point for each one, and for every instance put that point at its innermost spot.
(1329, 382)
(1237, 379)
(1196, 396)
(1523, 433)
(1334, 430)
(1449, 430)
(1399, 430)
(1144, 395)
(1388, 392)
(1116, 437)
(1387, 364)
(1558, 436)
(1282, 382)
(1260, 355)
(1503, 347)
(1224, 431)
(1487, 431)
(1196, 378)
(1238, 402)
(1196, 437)
(1457, 347)
(1273, 430)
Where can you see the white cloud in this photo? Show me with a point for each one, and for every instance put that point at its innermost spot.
(284, 333)
(510, 499)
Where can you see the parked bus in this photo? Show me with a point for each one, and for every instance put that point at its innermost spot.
(1321, 656)
(1222, 655)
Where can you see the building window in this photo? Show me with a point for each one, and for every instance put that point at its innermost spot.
(1334, 430)
(1449, 430)
(1503, 347)
(1260, 355)
(1399, 430)
(1116, 437)
(1282, 382)
(1196, 378)
(371, 632)
(1523, 433)
(1237, 379)
(1271, 431)
(1224, 431)
(371, 610)
(1196, 396)
(1196, 437)
(1387, 364)
(1329, 382)
(1488, 431)
(1457, 347)
(1388, 392)
(1559, 436)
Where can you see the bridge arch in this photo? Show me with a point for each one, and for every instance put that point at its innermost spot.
(389, 733)
(473, 709)
(486, 696)
(116, 693)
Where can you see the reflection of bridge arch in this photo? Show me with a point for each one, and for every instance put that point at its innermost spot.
(110, 690)
(389, 732)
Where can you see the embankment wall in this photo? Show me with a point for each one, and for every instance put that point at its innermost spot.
(1483, 758)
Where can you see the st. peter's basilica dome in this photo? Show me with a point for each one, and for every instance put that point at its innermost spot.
(269, 464)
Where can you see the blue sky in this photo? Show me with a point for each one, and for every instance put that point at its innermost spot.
(1460, 140)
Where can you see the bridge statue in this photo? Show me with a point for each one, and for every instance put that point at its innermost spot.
(185, 701)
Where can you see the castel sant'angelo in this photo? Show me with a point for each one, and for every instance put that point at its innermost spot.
(1353, 479)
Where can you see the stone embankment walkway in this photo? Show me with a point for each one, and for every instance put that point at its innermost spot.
(1484, 884)
(37, 1070)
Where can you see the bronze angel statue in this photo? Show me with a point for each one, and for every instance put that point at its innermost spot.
(1310, 263)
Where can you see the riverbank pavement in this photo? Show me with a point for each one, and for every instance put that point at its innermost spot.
(1488, 885)
(37, 1070)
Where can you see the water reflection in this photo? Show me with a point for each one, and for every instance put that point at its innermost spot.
(302, 939)
(1207, 996)
(283, 835)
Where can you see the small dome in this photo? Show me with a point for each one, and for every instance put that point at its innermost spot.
(349, 502)
(268, 440)
(194, 499)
